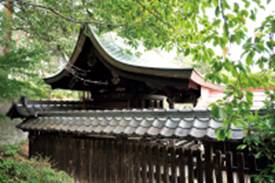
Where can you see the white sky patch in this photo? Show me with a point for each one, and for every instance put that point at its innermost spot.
(235, 50)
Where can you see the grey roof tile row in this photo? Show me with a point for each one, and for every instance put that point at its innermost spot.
(160, 123)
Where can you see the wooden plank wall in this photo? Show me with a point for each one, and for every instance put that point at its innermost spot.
(97, 160)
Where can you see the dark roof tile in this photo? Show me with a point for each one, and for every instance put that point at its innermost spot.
(198, 132)
(154, 131)
(146, 123)
(182, 132)
(141, 130)
(215, 124)
(171, 123)
(119, 129)
(134, 123)
(124, 122)
(108, 129)
(185, 124)
(198, 123)
(160, 123)
(167, 132)
(130, 130)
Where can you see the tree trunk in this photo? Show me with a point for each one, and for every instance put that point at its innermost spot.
(8, 11)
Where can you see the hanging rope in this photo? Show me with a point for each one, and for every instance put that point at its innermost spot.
(79, 74)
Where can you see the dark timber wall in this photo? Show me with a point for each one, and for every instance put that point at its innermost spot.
(108, 160)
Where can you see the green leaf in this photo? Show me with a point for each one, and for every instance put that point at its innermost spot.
(249, 58)
(215, 111)
(236, 7)
(242, 146)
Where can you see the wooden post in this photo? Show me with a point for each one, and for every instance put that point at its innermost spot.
(218, 167)
(208, 163)
(190, 165)
(229, 164)
(199, 170)
(150, 160)
(173, 161)
(158, 154)
(240, 169)
(166, 176)
(182, 166)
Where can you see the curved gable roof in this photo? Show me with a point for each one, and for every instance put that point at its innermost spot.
(113, 61)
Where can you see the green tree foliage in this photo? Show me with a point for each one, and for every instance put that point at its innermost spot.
(201, 30)
(18, 74)
(35, 45)
(15, 168)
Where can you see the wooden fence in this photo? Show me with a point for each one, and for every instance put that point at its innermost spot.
(98, 160)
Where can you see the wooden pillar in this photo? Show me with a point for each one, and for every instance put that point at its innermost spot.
(31, 138)
(208, 162)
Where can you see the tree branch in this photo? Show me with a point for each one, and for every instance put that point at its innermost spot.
(59, 14)
(155, 13)
(226, 29)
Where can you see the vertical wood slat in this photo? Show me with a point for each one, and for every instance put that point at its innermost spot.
(143, 164)
(116, 166)
(229, 166)
(135, 163)
(95, 168)
(182, 166)
(240, 167)
(87, 159)
(128, 161)
(120, 172)
(123, 163)
(218, 166)
(64, 154)
(199, 167)
(165, 157)
(56, 160)
(190, 165)
(35, 145)
(252, 164)
(60, 151)
(130, 153)
(208, 163)
(108, 162)
(104, 163)
(150, 160)
(139, 163)
(174, 176)
(46, 147)
(113, 162)
(82, 161)
(100, 171)
(73, 155)
(157, 152)
(91, 161)
(30, 144)
(69, 155)
(78, 159)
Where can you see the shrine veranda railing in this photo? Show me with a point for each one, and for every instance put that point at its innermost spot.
(118, 160)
